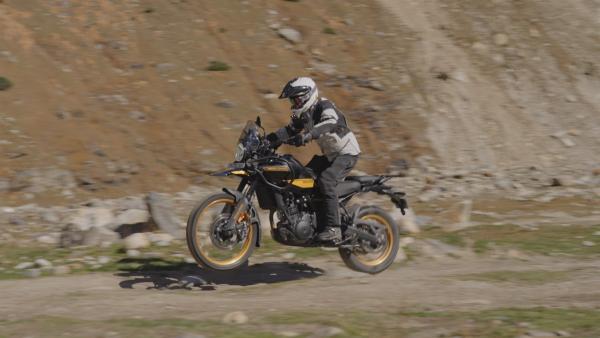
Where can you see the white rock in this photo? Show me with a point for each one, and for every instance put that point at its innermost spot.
(24, 265)
(132, 216)
(533, 32)
(597, 233)
(61, 270)
(400, 256)
(288, 255)
(161, 209)
(47, 239)
(501, 39)
(32, 273)
(87, 218)
(479, 47)
(132, 253)
(457, 217)
(103, 260)
(191, 335)
(325, 68)
(236, 317)
(43, 263)
(329, 331)
(190, 281)
(588, 243)
(99, 236)
(406, 241)
(406, 222)
(160, 238)
(136, 241)
(290, 35)
(540, 334)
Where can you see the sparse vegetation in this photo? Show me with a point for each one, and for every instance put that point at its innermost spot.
(218, 66)
(329, 30)
(507, 322)
(5, 83)
(79, 259)
(528, 277)
(545, 240)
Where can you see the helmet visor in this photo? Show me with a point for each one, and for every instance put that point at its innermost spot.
(299, 101)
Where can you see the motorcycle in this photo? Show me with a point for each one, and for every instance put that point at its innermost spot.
(224, 229)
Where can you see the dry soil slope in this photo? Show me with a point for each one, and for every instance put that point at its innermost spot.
(102, 85)
(518, 72)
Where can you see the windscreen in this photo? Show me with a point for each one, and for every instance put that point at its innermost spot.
(249, 137)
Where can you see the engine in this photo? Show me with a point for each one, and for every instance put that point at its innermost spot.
(299, 225)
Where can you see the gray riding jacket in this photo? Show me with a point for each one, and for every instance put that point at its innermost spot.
(327, 125)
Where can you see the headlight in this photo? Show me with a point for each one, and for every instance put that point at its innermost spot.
(239, 153)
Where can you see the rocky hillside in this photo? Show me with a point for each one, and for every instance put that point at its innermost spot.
(106, 99)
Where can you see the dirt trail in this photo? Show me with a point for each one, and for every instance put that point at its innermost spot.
(320, 285)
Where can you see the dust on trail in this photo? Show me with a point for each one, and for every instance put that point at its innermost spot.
(315, 285)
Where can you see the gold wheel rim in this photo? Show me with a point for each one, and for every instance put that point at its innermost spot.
(389, 242)
(245, 246)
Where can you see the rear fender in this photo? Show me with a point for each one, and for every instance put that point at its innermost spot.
(397, 197)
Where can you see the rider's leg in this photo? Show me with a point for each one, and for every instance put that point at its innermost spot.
(318, 164)
(327, 183)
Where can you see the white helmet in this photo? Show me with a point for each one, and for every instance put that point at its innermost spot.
(302, 93)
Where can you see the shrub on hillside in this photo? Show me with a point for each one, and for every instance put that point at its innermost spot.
(218, 66)
(328, 30)
(5, 83)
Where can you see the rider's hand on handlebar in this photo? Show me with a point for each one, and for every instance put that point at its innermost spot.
(300, 139)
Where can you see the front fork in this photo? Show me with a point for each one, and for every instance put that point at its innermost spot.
(243, 203)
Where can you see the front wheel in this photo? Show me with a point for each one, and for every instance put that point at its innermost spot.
(210, 240)
(370, 258)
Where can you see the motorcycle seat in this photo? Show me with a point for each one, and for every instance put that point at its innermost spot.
(364, 180)
(347, 187)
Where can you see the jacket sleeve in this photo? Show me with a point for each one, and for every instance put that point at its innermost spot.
(293, 128)
(328, 121)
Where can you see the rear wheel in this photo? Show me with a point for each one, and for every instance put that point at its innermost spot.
(367, 256)
(210, 241)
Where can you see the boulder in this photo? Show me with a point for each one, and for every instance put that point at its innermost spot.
(400, 256)
(290, 34)
(160, 239)
(72, 236)
(161, 210)
(235, 317)
(136, 241)
(407, 222)
(328, 331)
(24, 265)
(32, 273)
(457, 217)
(48, 239)
(501, 39)
(87, 218)
(132, 221)
(61, 270)
(43, 263)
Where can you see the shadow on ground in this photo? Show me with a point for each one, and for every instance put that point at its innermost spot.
(172, 276)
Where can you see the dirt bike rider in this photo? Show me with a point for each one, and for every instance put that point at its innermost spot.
(318, 119)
